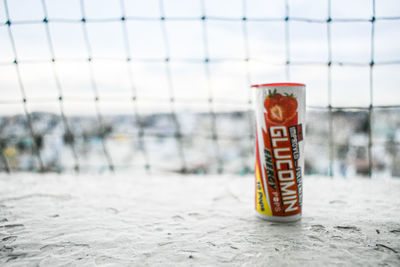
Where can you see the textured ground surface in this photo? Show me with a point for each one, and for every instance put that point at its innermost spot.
(135, 220)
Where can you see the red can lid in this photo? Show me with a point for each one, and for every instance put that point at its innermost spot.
(278, 84)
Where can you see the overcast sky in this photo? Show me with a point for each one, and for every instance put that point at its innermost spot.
(228, 80)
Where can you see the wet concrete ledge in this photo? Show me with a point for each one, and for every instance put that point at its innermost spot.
(158, 220)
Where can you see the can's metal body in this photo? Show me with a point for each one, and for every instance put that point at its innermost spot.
(280, 132)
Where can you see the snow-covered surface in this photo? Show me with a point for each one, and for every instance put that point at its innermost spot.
(139, 220)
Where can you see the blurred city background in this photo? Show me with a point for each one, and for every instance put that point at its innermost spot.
(164, 85)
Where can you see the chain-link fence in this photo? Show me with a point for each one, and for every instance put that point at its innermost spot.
(153, 119)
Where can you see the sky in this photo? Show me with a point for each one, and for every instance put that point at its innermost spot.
(229, 75)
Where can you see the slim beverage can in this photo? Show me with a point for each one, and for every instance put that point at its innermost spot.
(280, 132)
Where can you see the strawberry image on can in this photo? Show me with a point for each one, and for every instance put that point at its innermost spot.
(280, 126)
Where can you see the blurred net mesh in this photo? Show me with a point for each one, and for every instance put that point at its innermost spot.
(150, 102)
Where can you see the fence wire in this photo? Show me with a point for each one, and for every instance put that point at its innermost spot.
(211, 101)
(132, 86)
(68, 132)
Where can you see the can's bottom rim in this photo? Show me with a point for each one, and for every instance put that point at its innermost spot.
(292, 218)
